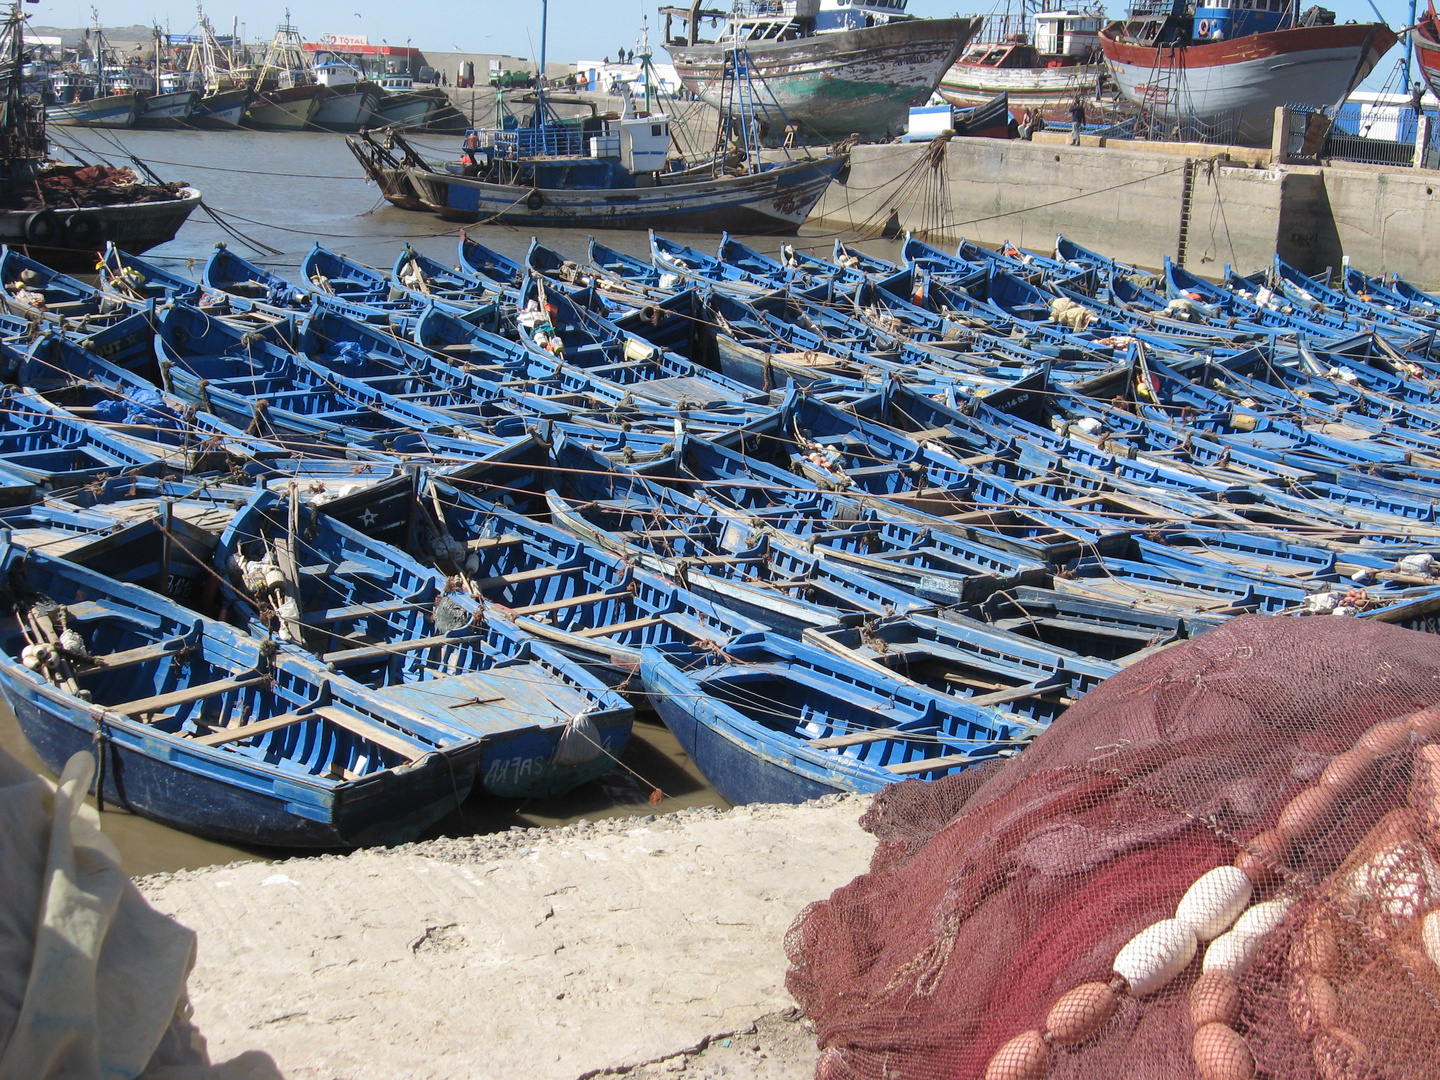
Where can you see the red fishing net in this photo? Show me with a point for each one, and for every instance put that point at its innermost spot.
(1022, 922)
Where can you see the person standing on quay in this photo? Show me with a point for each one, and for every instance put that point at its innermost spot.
(1077, 120)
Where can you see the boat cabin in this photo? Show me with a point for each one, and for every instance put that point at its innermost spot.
(1215, 20)
(1221, 20)
(1074, 34)
(779, 20)
(642, 143)
(1000, 54)
(336, 72)
(595, 151)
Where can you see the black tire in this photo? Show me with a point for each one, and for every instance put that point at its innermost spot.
(535, 200)
(43, 228)
(82, 232)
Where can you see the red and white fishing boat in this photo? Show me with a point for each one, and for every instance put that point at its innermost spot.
(1238, 63)
(1062, 63)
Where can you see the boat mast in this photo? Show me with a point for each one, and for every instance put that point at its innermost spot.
(540, 74)
(645, 55)
(1409, 49)
(22, 129)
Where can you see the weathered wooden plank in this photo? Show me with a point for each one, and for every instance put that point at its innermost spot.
(131, 657)
(619, 627)
(160, 702)
(905, 768)
(492, 541)
(395, 648)
(360, 611)
(247, 731)
(521, 575)
(375, 733)
(856, 738)
(572, 601)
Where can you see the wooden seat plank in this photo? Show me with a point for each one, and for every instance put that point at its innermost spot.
(856, 738)
(572, 601)
(381, 652)
(259, 727)
(372, 732)
(160, 702)
(492, 541)
(1019, 693)
(619, 627)
(522, 575)
(949, 761)
(130, 657)
(361, 611)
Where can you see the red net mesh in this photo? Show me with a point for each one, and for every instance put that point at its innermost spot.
(993, 893)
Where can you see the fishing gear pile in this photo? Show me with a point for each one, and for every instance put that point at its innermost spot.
(1223, 863)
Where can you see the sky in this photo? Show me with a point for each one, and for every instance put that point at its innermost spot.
(578, 29)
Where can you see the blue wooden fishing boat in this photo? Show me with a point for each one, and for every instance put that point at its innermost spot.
(786, 271)
(475, 258)
(1317, 296)
(204, 728)
(854, 259)
(137, 280)
(688, 264)
(341, 284)
(1393, 292)
(541, 260)
(639, 273)
(774, 720)
(931, 564)
(226, 272)
(1091, 627)
(52, 448)
(34, 291)
(931, 264)
(1026, 681)
(368, 610)
(716, 556)
(589, 604)
(557, 326)
(426, 278)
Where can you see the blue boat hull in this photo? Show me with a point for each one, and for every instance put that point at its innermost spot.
(237, 805)
(522, 765)
(777, 199)
(741, 771)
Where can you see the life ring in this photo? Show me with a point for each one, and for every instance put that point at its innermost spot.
(42, 228)
(534, 200)
(1203, 29)
(81, 231)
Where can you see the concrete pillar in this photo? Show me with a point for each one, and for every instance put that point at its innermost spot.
(1280, 136)
(1422, 139)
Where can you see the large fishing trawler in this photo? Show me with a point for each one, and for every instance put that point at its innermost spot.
(832, 68)
(64, 214)
(1238, 60)
(1043, 60)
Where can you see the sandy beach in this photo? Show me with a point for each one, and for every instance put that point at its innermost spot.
(636, 947)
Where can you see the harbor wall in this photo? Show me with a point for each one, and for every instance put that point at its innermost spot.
(1139, 204)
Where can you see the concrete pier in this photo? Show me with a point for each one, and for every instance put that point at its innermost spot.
(1207, 205)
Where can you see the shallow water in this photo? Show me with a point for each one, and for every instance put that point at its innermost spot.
(307, 187)
(289, 191)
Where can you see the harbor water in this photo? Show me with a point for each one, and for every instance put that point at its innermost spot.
(287, 191)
